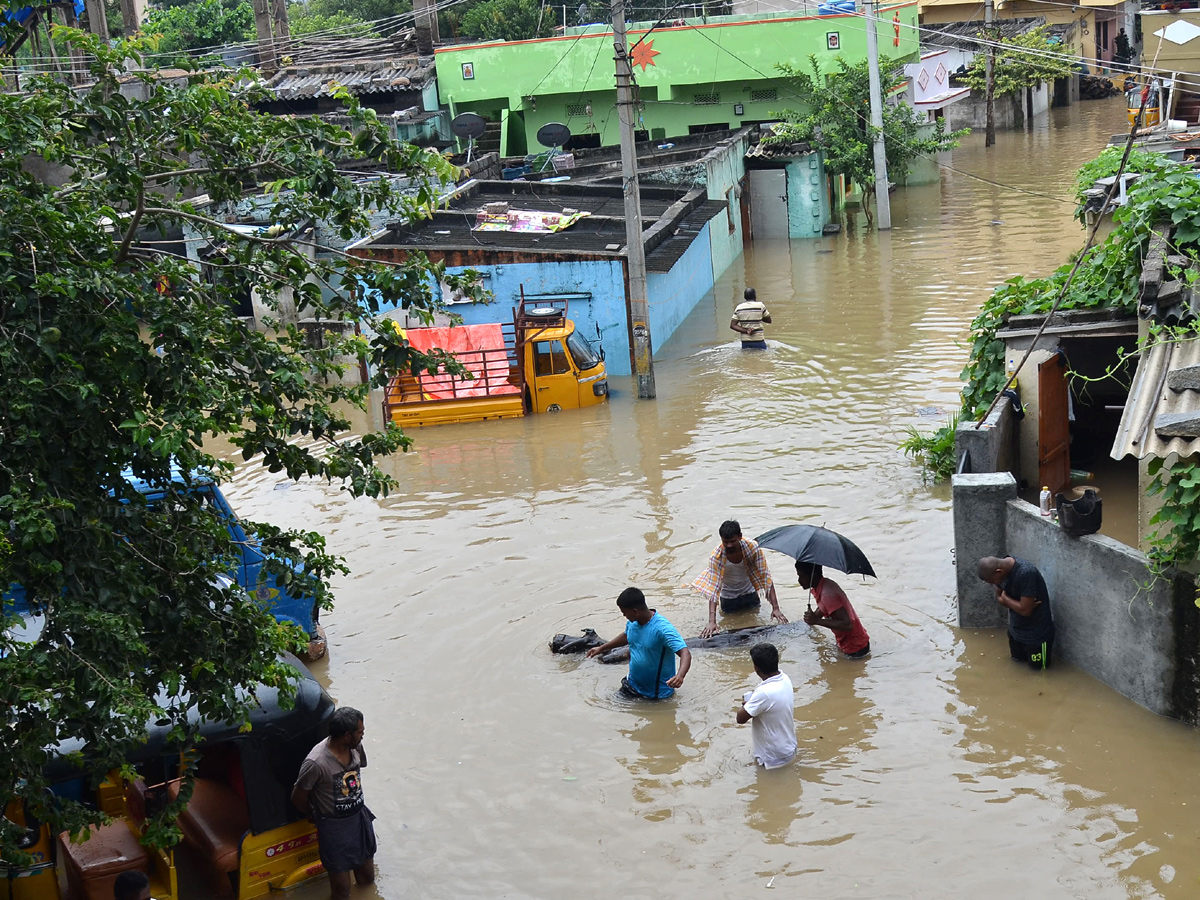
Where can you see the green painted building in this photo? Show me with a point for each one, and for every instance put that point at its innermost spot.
(693, 75)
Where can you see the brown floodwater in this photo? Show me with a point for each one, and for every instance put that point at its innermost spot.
(936, 768)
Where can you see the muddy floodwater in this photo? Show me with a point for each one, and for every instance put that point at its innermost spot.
(936, 768)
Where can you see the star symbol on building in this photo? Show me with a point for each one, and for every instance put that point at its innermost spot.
(643, 54)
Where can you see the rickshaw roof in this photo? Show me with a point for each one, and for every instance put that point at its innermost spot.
(310, 711)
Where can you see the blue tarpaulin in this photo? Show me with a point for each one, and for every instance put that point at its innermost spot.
(21, 16)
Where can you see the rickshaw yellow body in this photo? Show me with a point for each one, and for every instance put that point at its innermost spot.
(278, 860)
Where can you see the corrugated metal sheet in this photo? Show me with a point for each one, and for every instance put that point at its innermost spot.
(359, 79)
(1150, 397)
(763, 150)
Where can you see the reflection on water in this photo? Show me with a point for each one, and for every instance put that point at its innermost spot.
(933, 768)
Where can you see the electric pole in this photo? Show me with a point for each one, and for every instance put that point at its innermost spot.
(883, 202)
(989, 16)
(635, 250)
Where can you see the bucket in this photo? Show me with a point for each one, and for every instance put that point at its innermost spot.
(1079, 510)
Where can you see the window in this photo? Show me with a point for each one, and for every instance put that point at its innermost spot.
(769, 95)
(549, 358)
(581, 351)
(451, 296)
(706, 99)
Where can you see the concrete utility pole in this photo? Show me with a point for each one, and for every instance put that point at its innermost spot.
(426, 26)
(635, 250)
(989, 17)
(131, 16)
(267, 60)
(883, 202)
(97, 19)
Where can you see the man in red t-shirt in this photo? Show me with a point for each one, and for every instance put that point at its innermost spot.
(833, 611)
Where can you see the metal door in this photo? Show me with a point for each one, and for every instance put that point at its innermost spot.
(1054, 449)
(554, 384)
(768, 204)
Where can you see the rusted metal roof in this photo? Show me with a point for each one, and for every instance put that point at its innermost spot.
(1155, 420)
(359, 78)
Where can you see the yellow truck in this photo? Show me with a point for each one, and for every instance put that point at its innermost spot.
(538, 363)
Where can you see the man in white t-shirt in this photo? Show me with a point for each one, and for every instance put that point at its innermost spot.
(770, 707)
(747, 320)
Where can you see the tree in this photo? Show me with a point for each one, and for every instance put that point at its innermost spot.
(1024, 62)
(301, 23)
(203, 25)
(507, 20)
(836, 119)
(115, 355)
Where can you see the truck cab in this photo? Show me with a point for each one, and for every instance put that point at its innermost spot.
(283, 601)
(251, 574)
(561, 369)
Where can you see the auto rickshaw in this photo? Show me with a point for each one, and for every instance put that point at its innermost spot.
(1152, 114)
(239, 825)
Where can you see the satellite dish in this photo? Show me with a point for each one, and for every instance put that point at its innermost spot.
(470, 126)
(553, 134)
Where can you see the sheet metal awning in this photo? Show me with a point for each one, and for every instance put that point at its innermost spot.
(1154, 403)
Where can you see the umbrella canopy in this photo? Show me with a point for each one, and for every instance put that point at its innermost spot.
(819, 546)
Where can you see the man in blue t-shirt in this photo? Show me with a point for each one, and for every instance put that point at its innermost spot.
(653, 645)
(1021, 590)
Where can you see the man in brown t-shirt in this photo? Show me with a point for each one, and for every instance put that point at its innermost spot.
(329, 791)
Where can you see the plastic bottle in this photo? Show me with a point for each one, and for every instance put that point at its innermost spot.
(1044, 501)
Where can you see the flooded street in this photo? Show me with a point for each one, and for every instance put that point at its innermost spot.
(935, 768)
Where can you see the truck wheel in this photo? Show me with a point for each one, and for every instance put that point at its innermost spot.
(553, 407)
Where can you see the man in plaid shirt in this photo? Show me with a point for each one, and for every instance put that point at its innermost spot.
(736, 573)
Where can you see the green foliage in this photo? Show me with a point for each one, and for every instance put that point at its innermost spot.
(1024, 61)
(508, 20)
(357, 10)
(338, 24)
(1109, 161)
(1122, 49)
(1170, 198)
(836, 119)
(203, 25)
(1176, 539)
(114, 354)
(934, 452)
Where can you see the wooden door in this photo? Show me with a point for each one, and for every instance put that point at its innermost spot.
(1054, 448)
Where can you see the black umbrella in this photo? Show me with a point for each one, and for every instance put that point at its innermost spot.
(819, 546)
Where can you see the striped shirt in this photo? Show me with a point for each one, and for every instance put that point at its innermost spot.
(708, 585)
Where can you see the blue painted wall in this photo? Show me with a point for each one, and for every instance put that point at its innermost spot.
(674, 294)
(603, 279)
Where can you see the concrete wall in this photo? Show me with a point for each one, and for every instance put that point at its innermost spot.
(1008, 111)
(724, 169)
(808, 200)
(672, 295)
(1139, 638)
(993, 446)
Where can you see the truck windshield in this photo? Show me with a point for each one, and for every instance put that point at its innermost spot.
(581, 351)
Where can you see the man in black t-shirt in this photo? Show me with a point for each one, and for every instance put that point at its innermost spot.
(1021, 590)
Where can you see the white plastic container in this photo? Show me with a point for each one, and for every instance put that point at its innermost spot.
(1044, 501)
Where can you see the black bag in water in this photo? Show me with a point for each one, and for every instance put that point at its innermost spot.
(568, 643)
(1080, 516)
